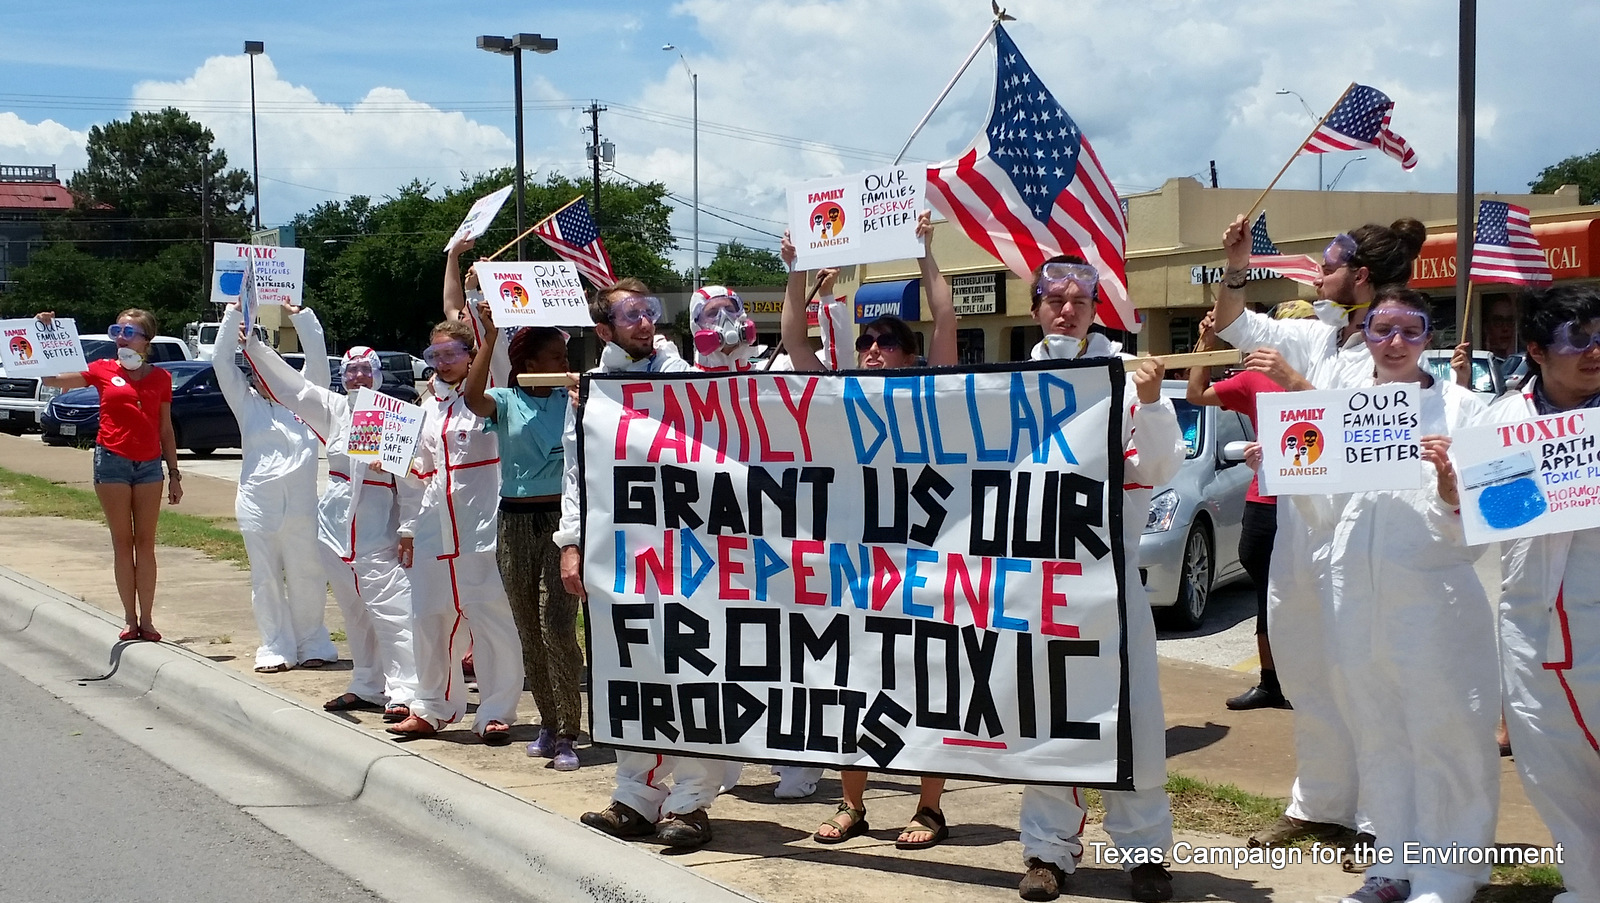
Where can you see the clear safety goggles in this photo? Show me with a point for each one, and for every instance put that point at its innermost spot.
(1339, 252)
(124, 331)
(444, 354)
(720, 306)
(1413, 327)
(1056, 277)
(633, 309)
(1572, 337)
(356, 370)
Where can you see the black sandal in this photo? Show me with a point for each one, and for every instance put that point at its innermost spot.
(858, 825)
(925, 819)
(348, 702)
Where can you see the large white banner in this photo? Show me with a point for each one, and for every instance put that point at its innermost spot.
(1340, 440)
(279, 273)
(864, 217)
(1531, 478)
(535, 293)
(917, 573)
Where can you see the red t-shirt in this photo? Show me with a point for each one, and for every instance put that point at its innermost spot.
(130, 409)
(1238, 393)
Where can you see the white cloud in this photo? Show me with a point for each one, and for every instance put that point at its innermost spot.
(41, 144)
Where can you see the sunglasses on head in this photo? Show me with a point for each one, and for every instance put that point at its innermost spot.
(1573, 337)
(124, 331)
(887, 341)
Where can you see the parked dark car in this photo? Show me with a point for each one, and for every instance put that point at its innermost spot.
(201, 418)
(399, 379)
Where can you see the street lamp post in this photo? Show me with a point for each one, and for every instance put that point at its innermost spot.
(1314, 118)
(1335, 183)
(254, 49)
(694, 85)
(513, 47)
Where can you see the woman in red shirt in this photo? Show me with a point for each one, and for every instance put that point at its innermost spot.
(135, 434)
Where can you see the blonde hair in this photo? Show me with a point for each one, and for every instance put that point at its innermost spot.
(454, 329)
(145, 320)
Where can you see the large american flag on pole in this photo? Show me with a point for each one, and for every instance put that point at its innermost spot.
(1029, 187)
(571, 233)
(1302, 268)
(1361, 120)
(1504, 248)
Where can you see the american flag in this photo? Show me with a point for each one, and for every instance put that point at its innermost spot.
(571, 233)
(1301, 268)
(1361, 120)
(1029, 187)
(1504, 248)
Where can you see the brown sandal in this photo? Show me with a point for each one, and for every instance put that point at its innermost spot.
(930, 820)
(858, 825)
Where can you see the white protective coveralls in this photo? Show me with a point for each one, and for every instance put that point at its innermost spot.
(1550, 661)
(641, 776)
(1414, 664)
(277, 506)
(1325, 786)
(1052, 816)
(449, 504)
(358, 524)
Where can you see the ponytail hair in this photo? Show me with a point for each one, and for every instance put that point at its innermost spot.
(1387, 251)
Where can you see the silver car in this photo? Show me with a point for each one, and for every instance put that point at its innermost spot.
(1191, 539)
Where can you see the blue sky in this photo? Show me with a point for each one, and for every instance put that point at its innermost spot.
(359, 97)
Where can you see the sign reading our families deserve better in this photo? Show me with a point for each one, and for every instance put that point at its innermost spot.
(1340, 440)
(384, 430)
(538, 293)
(279, 273)
(1530, 478)
(480, 216)
(30, 347)
(917, 573)
(860, 218)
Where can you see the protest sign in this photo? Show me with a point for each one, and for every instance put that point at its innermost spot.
(480, 216)
(1340, 440)
(541, 293)
(31, 348)
(1530, 478)
(383, 431)
(279, 273)
(860, 218)
(910, 573)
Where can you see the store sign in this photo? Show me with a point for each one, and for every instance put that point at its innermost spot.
(1569, 250)
(1213, 275)
(977, 293)
(764, 308)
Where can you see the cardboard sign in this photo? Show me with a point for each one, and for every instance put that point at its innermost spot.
(861, 218)
(279, 273)
(538, 293)
(1530, 478)
(384, 431)
(913, 573)
(1340, 440)
(483, 212)
(31, 348)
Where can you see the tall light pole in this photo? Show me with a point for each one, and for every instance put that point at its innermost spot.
(513, 47)
(694, 85)
(254, 49)
(1335, 183)
(1314, 118)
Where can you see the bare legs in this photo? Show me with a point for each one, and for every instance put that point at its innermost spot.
(131, 513)
(853, 784)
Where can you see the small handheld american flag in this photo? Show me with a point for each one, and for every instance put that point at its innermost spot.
(1301, 268)
(1504, 248)
(571, 233)
(1361, 120)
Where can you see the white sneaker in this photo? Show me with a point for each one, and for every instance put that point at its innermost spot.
(1380, 890)
(795, 783)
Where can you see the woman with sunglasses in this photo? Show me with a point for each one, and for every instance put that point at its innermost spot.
(448, 533)
(135, 435)
(357, 521)
(1412, 637)
(276, 504)
(886, 343)
(1328, 351)
(1550, 602)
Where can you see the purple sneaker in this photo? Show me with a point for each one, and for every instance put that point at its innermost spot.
(565, 758)
(544, 747)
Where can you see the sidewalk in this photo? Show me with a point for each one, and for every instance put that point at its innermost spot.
(762, 847)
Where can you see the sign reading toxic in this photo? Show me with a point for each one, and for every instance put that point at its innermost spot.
(861, 218)
(279, 274)
(1528, 478)
(32, 348)
(1340, 440)
(535, 293)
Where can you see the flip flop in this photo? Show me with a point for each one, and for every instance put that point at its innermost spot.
(925, 820)
(348, 702)
(313, 663)
(279, 668)
(129, 633)
(496, 733)
(396, 713)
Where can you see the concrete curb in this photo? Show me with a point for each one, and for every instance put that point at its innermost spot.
(512, 838)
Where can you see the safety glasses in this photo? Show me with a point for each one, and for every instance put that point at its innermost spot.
(1339, 252)
(1573, 337)
(1412, 326)
(885, 341)
(357, 370)
(124, 331)
(444, 354)
(634, 309)
(720, 306)
(1057, 276)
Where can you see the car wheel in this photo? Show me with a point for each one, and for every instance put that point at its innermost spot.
(203, 452)
(1194, 588)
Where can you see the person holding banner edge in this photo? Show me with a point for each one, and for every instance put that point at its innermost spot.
(1065, 292)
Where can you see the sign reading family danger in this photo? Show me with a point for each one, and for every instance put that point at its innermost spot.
(911, 573)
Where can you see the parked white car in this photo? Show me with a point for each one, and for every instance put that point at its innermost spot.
(23, 399)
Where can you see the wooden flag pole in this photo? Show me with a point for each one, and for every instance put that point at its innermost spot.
(1299, 147)
(530, 229)
(1227, 357)
(1466, 316)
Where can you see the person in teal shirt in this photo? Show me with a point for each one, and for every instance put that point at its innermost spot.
(529, 422)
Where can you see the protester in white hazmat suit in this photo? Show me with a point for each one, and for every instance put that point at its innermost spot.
(449, 503)
(1324, 799)
(1413, 637)
(358, 521)
(1065, 292)
(1550, 602)
(277, 506)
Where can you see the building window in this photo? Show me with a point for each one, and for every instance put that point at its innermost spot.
(969, 346)
(1185, 333)
(1023, 338)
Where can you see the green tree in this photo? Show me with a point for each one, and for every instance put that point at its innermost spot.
(738, 266)
(1582, 170)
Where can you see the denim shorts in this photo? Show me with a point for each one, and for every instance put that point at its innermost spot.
(110, 467)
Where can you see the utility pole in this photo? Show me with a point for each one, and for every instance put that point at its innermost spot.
(596, 150)
(1213, 173)
(205, 229)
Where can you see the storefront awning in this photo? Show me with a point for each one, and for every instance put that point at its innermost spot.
(901, 299)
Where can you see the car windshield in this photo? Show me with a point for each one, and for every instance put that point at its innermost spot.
(1482, 379)
(1189, 424)
(208, 334)
(98, 349)
(181, 378)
